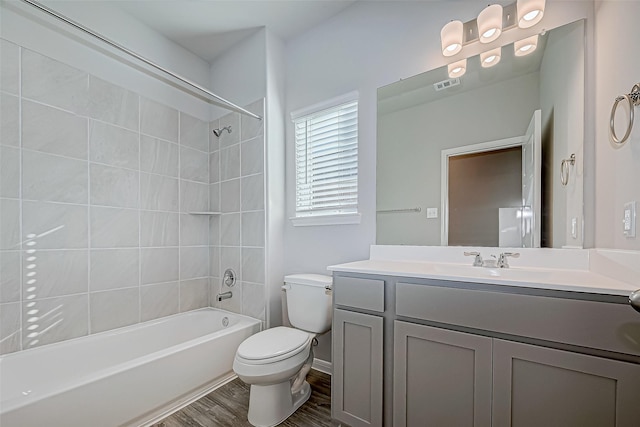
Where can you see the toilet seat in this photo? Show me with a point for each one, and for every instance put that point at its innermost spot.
(273, 345)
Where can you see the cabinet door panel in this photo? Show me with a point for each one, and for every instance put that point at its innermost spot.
(537, 386)
(357, 368)
(441, 377)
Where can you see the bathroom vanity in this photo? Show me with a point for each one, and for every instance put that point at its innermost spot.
(448, 344)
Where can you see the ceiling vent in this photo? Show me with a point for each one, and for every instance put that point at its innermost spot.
(446, 84)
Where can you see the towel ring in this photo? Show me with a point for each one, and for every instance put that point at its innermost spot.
(633, 99)
(564, 169)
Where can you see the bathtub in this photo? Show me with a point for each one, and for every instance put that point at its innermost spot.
(131, 376)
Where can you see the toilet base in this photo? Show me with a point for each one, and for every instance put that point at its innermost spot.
(269, 405)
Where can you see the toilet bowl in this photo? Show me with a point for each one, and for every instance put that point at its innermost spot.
(275, 362)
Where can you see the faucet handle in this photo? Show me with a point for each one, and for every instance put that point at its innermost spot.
(502, 260)
(477, 262)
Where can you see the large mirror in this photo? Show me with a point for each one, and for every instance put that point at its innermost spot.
(494, 159)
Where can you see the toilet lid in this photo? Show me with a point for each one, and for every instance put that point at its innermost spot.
(273, 343)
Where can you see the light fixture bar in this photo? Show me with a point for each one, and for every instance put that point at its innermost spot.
(509, 21)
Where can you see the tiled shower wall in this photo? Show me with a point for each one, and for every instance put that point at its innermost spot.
(237, 191)
(96, 183)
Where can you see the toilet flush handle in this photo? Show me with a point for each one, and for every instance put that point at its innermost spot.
(286, 287)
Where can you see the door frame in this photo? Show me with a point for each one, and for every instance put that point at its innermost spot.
(499, 144)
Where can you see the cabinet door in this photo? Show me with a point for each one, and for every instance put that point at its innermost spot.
(537, 386)
(356, 384)
(441, 377)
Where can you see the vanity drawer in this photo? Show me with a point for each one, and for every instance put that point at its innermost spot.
(367, 294)
(593, 324)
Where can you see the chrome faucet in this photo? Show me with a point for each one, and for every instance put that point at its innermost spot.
(502, 260)
(477, 261)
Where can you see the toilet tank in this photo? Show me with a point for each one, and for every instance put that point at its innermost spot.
(308, 302)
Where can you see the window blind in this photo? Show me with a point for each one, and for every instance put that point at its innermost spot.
(327, 161)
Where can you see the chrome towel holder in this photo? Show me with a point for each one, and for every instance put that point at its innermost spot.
(565, 169)
(633, 99)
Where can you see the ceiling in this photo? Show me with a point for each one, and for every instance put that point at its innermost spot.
(210, 27)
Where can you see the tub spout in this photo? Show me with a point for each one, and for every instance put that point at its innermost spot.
(224, 295)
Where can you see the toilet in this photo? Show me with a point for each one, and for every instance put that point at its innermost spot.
(275, 362)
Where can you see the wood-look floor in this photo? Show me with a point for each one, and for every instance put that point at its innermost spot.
(228, 406)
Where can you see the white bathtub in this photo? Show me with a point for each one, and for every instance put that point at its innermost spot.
(127, 377)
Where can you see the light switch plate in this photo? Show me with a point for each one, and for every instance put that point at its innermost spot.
(432, 212)
(629, 219)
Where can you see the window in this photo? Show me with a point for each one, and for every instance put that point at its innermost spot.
(326, 142)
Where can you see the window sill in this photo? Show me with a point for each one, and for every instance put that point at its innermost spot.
(338, 219)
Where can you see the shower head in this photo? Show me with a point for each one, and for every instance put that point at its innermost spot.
(218, 132)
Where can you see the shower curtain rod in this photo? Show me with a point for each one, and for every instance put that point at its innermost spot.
(229, 105)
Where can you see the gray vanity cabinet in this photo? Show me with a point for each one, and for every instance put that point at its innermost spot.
(537, 386)
(440, 377)
(357, 334)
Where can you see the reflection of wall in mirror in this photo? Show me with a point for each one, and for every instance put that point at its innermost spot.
(562, 104)
(420, 133)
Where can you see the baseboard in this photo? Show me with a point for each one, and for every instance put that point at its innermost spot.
(322, 366)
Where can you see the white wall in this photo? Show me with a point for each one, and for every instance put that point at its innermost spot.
(617, 169)
(28, 27)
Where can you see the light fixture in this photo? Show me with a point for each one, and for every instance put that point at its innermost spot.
(490, 23)
(490, 58)
(530, 12)
(457, 69)
(451, 38)
(526, 46)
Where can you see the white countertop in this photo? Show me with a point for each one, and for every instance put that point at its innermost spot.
(581, 278)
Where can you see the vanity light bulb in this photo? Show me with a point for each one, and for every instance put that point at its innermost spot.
(530, 12)
(490, 58)
(490, 23)
(451, 38)
(526, 46)
(457, 69)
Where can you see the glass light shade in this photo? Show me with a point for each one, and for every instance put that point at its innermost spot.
(490, 23)
(451, 38)
(530, 12)
(491, 57)
(526, 46)
(457, 69)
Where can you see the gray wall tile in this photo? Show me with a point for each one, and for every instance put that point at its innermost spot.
(158, 192)
(9, 172)
(9, 120)
(158, 229)
(9, 224)
(194, 230)
(114, 227)
(230, 229)
(67, 318)
(114, 268)
(194, 294)
(159, 265)
(230, 196)
(10, 328)
(230, 162)
(253, 228)
(53, 178)
(54, 273)
(53, 131)
(253, 193)
(194, 262)
(10, 277)
(252, 127)
(194, 132)
(113, 145)
(159, 300)
(9, 67)
(158, 120)
(158, 156)
(194, 165)
(214, 167)
(113, 104)
(114, 309)
(114, 186)
(54, 83)
(194, 197)
(253, 265)
(55, 225)
(252, 155)
(253, 300)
